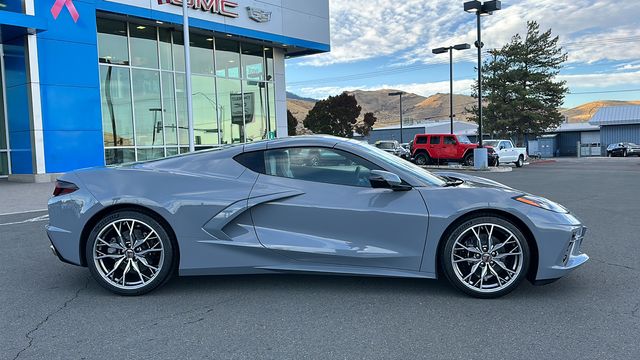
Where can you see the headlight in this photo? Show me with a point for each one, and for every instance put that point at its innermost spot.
(542, 203)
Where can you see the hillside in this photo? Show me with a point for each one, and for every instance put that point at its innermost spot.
(436, 107)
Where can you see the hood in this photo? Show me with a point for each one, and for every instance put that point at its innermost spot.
(472, 180)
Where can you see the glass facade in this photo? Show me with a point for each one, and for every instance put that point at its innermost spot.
(142, 83)
(4, 132)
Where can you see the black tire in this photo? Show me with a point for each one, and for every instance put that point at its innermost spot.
(520, 162)
(422, 159)
(468, 159)
(608, 153)
(462, 229)
(167, 260)
(497, 162)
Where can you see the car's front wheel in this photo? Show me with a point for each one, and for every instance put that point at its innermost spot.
(130, 253)
(485, 257)
(422, 159)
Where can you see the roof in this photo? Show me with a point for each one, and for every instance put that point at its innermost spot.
(617, 115)
(566, 127)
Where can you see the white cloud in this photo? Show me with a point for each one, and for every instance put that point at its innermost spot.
(604, 80)
(423, 89)
(409, 29)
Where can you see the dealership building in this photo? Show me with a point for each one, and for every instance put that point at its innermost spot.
(102, 82)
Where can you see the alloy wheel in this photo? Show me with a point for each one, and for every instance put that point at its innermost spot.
(128, 254)
(487, 258)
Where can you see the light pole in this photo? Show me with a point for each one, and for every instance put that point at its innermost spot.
(399, 93)
(442, 50)
(481, 9)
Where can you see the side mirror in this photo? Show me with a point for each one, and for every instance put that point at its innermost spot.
(501, 147)
(385, 180)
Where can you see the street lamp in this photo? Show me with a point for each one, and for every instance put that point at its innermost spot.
(442, 50)
(399, 93)
(481, 9)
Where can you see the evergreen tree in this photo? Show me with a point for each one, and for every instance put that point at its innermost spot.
(336, 115)
(367, 124)
(520, 88)
(292, 124)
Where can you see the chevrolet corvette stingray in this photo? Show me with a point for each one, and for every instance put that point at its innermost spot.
(263, 207)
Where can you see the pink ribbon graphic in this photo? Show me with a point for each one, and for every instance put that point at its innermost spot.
(57, 7)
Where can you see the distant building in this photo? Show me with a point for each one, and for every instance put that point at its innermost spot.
(618, 124)
(563, 141)
(410, 131)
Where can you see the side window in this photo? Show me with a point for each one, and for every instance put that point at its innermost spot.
(317, 164)
(254, 161)
(421, 140)
(449, 140)
(435, 140)
(507, 145)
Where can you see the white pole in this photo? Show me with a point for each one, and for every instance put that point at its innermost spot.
(187, 70)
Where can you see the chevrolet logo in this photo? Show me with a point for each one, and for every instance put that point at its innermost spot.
(259, 15)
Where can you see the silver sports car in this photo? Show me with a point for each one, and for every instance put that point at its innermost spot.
(264, 208)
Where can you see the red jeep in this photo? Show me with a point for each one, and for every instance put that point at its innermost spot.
(427, 148)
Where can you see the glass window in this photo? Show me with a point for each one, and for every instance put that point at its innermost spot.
(201, 54)
(255, 98)
(147, 107)
(205, 115)
(172, 151)
(119, 156)
(319, 165)
(112, 42)
(270, 65)
(254, 161)
(117, 117)
(181, 104)
(449, 140)
(230, 106)
(150, 154)
(253, 62)
(178, 50)
(421, 140)
(4, 164)
(435, 140)
(144, 46)
(169, 107)
(165, 48)
(227, 58)
(12, 5)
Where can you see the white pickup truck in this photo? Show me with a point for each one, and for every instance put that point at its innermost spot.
(507, 153)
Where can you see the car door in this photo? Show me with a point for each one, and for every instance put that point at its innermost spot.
(505, 152)
(435, 146)
(331, 214)
(450, 147)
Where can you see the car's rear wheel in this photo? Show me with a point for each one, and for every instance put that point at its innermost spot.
(468, 159)
(130, 253)
(422, 159)
(624, 153)
(520, 161)
(485, 257)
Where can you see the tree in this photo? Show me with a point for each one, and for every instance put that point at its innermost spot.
(365, 127)
(292, 124)
(519, 82)
(336, 115)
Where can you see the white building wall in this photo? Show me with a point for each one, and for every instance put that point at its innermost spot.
(280, 84)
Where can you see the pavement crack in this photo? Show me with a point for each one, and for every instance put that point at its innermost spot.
(29, 335)
(614, 264)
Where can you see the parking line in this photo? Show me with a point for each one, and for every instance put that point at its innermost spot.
(23, 212)
(35, 219)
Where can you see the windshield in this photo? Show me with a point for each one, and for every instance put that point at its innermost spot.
(632, 144)
(492, 143)
(463, 139)
(415, 170)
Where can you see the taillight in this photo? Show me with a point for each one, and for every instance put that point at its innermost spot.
(64, 187)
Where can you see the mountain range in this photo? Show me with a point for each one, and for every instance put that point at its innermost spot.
(435, 107)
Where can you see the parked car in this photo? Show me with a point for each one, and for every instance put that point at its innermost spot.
(247, 209)
(393, 147)
(427, 148)
(623, 149)
(507, 153)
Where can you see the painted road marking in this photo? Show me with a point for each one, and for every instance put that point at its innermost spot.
(35, 219)
(23, 212)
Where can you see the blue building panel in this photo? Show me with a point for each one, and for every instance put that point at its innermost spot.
(70, 108)
(56, 68)
(67, 149)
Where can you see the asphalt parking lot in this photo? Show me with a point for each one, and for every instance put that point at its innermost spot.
(51, 310)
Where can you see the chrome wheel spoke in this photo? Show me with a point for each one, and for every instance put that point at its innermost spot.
(477, 248)
(119, 262)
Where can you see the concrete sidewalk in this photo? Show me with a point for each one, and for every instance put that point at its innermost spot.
(21, 197)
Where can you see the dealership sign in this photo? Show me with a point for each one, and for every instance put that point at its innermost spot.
(220, 7)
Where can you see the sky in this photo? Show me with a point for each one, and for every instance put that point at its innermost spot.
(378, 44)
